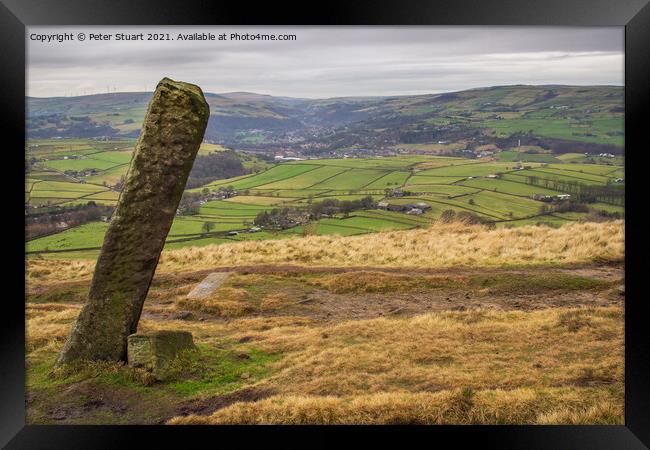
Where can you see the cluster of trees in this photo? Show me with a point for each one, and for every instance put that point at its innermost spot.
(565, 206)
(610, 193)
(332, 206)
(191, 201)
(215, 166)
(43, 223)
(283, 218)
(398, 192)
(594, 215)
(603, 216)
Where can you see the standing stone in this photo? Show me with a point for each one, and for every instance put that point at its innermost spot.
(171, 134)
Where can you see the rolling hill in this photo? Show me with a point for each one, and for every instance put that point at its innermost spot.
(560, 118)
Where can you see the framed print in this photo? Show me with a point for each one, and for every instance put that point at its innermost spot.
(387, 220)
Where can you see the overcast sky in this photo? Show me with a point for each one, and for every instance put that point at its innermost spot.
(327, 61)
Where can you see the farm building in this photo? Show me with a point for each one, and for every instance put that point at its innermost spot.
(550, 198)
(395, 193)
(410, 208)
(542, 198)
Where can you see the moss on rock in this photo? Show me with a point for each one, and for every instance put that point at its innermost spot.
(171, 134)
(156, 351)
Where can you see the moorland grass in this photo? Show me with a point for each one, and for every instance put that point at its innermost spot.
(440, 245)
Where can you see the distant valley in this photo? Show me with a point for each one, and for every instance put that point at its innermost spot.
(554, 119)
(277, 167)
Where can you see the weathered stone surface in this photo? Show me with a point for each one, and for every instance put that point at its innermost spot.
(156, 350)
(171, 134)
(209, 284)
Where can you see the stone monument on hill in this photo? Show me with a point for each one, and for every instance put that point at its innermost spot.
(171, 134)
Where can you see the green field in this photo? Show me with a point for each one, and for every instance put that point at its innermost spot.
(442, 183)
(516, 156)
(595, 130)
(69, 161)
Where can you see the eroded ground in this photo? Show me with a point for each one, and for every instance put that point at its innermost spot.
(330, 345)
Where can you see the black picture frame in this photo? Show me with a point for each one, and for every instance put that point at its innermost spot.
(633, 14)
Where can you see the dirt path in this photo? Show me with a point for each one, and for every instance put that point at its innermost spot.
(504, 291)
(305, 299)
(600, 271)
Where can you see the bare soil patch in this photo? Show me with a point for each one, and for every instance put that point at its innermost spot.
(205, 406)
(87, 402)
(339, 294)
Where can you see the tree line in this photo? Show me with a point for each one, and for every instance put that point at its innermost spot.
(283, 218)
(215, 166)
(40, 224)
(584, 193)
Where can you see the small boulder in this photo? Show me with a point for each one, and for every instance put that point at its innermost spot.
(154, 351)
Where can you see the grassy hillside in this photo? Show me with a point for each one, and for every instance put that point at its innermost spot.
(452, 324)
(495, 301)
(559, 117)
(441, 245)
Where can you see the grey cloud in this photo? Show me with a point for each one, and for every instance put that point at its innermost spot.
(330, 61)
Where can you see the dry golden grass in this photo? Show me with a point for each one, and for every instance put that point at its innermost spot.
(41, 269)
(48, 325)
(455, 367)
(459, 406)
(601, 413)
(224, 302)
(441, 245)
(438, 246)
(273, 302)
(556, 365)
(367, 281)
(475, 349)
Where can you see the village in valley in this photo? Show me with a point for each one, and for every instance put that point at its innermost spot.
(69, 196)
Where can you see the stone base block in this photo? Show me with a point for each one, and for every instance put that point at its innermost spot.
(155, 351)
